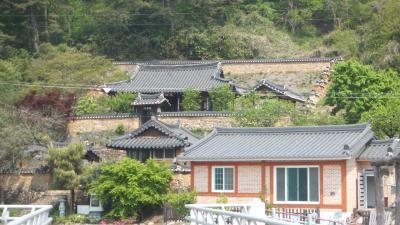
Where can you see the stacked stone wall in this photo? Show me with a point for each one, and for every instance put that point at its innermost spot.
(251, 68)
(80, 126)
(199, 122)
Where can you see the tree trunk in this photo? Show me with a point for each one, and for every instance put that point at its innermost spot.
(35, 31)
(397, 202)
(379, 201)
(46, 25)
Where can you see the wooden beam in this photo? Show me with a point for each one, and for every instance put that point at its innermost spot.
(379, 201)
(397, 201)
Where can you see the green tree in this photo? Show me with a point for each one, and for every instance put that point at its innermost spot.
(355, 88)
(179, 200)
(384, 118)
(306, 117)
(222, 98)
(265, 114)
(67, 167)
(86, 105)
(130, 186)
(191, 100)
(121, 102)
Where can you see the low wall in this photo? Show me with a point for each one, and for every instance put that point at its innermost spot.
(108, 122)
(98, 124)
(23, 188)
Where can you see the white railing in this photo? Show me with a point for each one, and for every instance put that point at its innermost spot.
(231, 214)
(34, 215)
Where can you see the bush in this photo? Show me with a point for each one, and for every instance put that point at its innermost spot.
(85, 105)
(222, 199)
(71, 219)
(120, 130)
(179, 200)
(222, 98)
(191, 100)
(129, 186)
(121, 102)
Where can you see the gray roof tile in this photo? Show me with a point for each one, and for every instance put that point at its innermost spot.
(378, 150)
(171, 78)
(175, 136)
(281, 143)
(150, 99)
(281, 90)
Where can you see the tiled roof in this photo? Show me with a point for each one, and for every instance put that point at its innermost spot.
(147, 143)
(175, 136)
(234, 61)
(171, 78)
(281, 143)
(281, 90)
(379, 150)
(150, 99)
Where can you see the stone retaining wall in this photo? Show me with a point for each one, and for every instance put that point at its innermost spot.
(76, 127)
(102, 123)
(250, 68)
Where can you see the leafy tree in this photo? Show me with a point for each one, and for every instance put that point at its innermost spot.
(248, 100)
(130, 186)
(191, 100)
(356, 88)
(222, 98)
(121, 102)
(86, 105)
(67, 167)
(385, 118)
(265, 114)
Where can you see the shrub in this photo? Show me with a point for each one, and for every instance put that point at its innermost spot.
(121, 102)
(85, 105)
(129, 186)
(120, 130)
(179, 200)
(191, 100)
(222, 98)
(222, 199)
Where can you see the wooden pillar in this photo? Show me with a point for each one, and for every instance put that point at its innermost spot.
(397, 202)
(379, 202)
(178, 105)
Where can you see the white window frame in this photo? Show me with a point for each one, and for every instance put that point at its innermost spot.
(308, 185)
(223, 179)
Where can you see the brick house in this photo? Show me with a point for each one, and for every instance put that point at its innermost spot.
(320, 167)
(154, 139)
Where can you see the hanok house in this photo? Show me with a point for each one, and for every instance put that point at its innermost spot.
(269, 89)
(171, 81)
(156, 140)
(326, 168)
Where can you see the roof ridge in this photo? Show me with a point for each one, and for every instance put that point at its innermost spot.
(321, 128)
(192, 66)
(201, 141)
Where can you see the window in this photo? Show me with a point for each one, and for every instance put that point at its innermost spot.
(158, 154)
(297, 184)
(163, 154)
(223, 180)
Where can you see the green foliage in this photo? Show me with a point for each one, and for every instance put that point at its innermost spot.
(305, 117)
(129, 186)
(86, 105)
(222, 199)
(191, 100)
(222, 98)
(67, 165)
(264, 114)
(121, 102)
(179, 200)
(384, 118)
(120, 130)
(356, 88)
(71, 219)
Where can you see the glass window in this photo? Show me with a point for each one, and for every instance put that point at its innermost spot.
(297, 184)
(223, 179)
